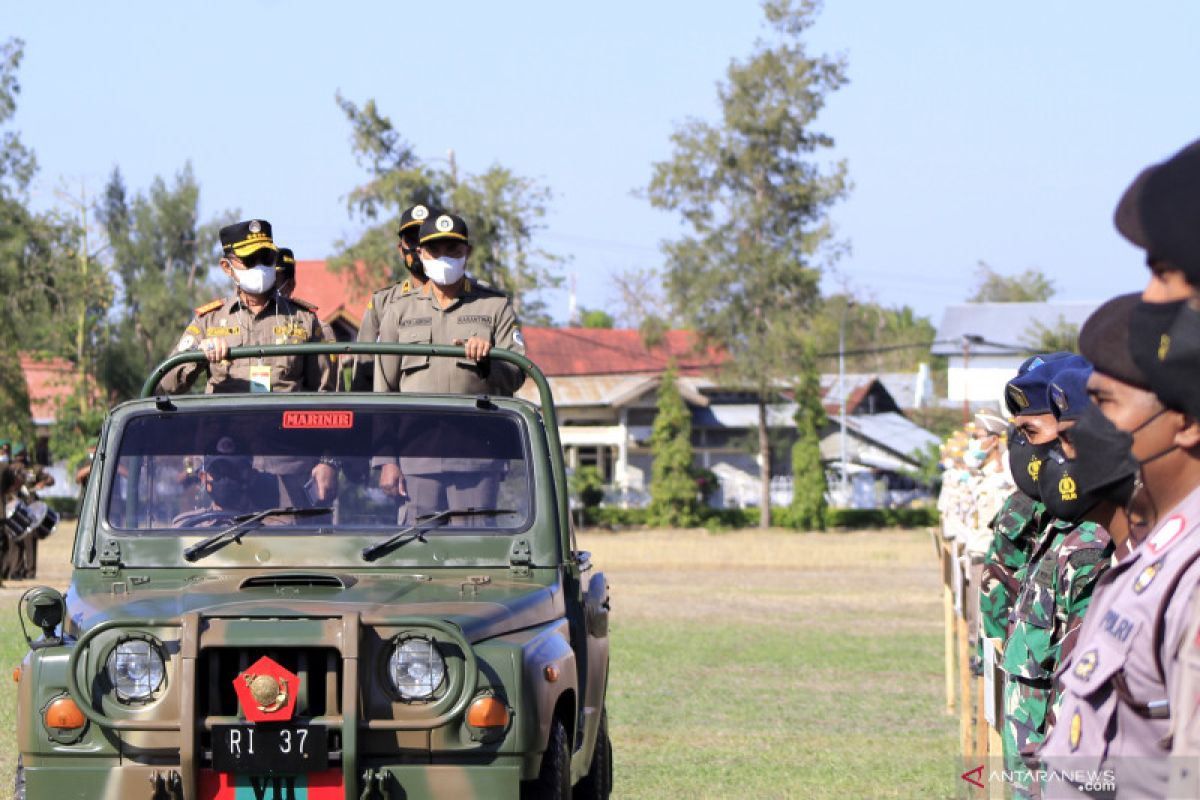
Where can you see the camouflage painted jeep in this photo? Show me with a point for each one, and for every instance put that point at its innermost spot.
(228, 633)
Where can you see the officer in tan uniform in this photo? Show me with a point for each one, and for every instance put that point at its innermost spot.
(257, 314)
(254, 315)
(363, 376)
(285, 272)
(448, 309)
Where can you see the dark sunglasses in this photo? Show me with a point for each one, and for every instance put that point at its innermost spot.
(261, 258)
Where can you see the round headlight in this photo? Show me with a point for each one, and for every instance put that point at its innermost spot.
(416, 668)
(135, 668)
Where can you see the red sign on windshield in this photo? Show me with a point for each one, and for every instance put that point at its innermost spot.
(318, 419)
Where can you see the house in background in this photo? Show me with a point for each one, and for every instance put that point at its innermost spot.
(49, 382)
(986, 342)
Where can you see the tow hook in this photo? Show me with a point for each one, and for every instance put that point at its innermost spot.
(168, 786)
(377, 785)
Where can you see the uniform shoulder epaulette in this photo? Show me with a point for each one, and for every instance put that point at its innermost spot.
(208, 308)
(307, 306)
(483, 287)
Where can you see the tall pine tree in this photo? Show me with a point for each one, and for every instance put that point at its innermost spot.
(673, 496)
(755, 199)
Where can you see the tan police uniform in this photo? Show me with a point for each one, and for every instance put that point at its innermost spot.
(418, 318)
(362, 378)
(281, 321)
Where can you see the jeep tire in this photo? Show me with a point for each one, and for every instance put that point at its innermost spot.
(598, 783)
(554, 778)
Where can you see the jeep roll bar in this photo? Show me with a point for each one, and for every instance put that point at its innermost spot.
(546, 399)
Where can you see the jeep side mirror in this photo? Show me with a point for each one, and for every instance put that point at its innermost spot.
(45, 608)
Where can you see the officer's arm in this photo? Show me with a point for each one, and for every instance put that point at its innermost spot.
(363, 366)
(180, 379)
(319, 372)
(387, 368)
(505, 378)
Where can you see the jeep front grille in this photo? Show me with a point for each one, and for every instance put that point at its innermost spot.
(318, 668)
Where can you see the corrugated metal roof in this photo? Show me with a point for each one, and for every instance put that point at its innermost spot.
(896, 432)
(1003, 323)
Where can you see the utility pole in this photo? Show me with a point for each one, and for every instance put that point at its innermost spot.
(845, 486)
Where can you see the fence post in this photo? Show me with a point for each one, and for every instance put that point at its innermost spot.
(993, 696)
(964, 655)
(948, 619)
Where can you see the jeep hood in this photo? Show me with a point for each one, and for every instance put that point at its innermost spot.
(482, 605)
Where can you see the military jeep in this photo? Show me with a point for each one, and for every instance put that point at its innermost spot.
(234, 629)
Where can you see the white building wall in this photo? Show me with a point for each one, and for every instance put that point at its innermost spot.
(983, 380)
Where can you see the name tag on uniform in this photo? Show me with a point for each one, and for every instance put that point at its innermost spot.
(260, 378)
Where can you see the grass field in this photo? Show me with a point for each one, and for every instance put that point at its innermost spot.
(750, 665)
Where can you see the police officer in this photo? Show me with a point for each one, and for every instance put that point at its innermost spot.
(411, 219)
(255, 314)
(1116, 711)
(448, 309)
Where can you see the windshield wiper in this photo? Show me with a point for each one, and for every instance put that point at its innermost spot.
(243, 523)
(415, 531)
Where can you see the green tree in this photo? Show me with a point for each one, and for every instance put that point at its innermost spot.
(503, 210)
(1031, 286)
(755, 200)
(595, 318)
(673, 495)
(163, 257)
(37, 256)
(878, 338)
(1062, 336)
(808, 473)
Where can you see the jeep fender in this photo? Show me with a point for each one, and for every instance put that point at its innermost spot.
(547, 651)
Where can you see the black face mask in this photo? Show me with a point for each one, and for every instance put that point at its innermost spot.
(1060, 490)
(1104, 464)
(412, 261)
(1025, 461)
(1149, 334)
(1175, 365)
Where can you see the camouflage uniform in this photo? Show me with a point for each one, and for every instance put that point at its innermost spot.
(1056, 588)
(1012, 544)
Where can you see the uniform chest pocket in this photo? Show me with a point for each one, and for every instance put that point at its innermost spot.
(1036, 604)
(1095, 660)
(464, 332)
(410, 333)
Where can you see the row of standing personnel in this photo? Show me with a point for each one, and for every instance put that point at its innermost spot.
(20, 480)
(1092, 578)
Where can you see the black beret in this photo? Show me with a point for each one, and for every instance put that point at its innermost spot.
(415, 216)
(287, 263)
(1158, 211)
(443, 226)
(243, 238)
(1104, 340)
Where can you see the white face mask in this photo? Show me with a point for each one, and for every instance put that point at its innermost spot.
(444, 271)
(255, 280)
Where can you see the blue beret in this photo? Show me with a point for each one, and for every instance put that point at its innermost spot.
(1068, 393)
(1028, 393)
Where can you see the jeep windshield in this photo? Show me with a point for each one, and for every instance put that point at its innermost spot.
(373, 470)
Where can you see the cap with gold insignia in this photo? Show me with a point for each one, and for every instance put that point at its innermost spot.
(285, 267)
(1026, 394)
(444, 226)
(415, 216)
(245, 238)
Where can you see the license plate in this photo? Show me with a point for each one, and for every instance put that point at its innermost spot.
(269, 749)
(325, 785)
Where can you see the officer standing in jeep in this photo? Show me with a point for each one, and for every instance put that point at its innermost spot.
(255, 314)
(411, 219)
(448, 309)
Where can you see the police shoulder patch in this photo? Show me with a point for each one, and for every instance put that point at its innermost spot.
(208, 308)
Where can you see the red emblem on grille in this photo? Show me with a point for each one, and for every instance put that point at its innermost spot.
(267, 691)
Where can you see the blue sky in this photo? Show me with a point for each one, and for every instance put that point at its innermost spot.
(972, 131)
